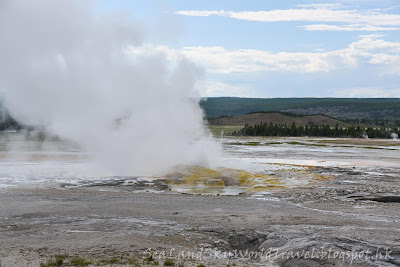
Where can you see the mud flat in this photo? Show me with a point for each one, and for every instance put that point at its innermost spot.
(290, 202)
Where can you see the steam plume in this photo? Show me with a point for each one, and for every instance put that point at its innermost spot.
(65, 68)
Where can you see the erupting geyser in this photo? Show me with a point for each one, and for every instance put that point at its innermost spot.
(67, 69)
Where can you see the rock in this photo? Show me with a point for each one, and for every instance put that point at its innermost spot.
(301, 263)
(246, 240)
(386, 198)
(214, 229)
(273, 242)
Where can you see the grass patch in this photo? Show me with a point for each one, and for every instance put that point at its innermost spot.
(150, 258)
(78, 261)
(169, 262)
(295, 143)
(57, 260)
(113, 260)
(274, 143)
(318, 145)
(220, 130)
(132, 262)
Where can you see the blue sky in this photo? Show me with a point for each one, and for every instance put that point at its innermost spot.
(348, 48)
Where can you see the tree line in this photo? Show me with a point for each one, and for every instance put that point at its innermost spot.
(8, 123)
(264, 129)
(376, 121)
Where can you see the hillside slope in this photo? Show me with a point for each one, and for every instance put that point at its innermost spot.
(344, 108)
(275, 118)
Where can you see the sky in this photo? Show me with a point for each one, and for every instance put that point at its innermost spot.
(288, 48)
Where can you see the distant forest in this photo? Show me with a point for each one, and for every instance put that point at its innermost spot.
(8, 123)
(377, 111)
(378, 122)
(265, 129)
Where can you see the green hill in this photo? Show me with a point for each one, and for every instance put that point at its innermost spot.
(276, 118)
(341, 108)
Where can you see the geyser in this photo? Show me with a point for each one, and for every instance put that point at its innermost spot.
(68, 69)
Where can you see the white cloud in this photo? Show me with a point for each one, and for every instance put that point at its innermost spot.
(315, 15)
(371, 44)
(373, 35)
(348, 28)
(356, 20)
(367, 50)
(322, 6)
(201, 13)
(384, 59)
(368, 92)
(207, 88)
(217, 59)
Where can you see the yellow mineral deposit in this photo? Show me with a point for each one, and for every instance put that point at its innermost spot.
(226, 181)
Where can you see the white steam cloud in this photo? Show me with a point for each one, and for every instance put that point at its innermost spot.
(65, 68)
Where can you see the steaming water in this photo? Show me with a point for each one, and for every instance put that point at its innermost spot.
(69, 70)
(51, 163)
(39, 163)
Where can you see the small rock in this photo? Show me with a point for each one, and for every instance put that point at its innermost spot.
(215, 229)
